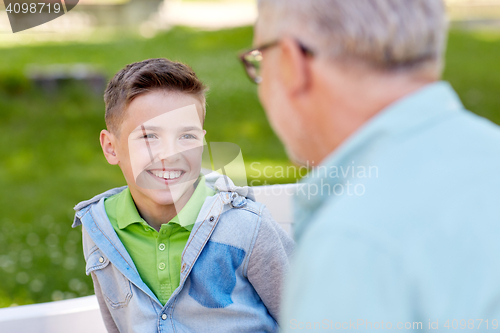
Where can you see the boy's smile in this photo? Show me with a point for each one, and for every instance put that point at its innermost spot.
(165, 151)
(159, 149)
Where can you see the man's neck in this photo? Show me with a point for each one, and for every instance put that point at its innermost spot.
(345, 102)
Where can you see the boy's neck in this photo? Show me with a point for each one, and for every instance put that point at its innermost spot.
(156, 215)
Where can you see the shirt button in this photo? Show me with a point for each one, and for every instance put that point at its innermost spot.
(161, 247)
(101, 260)
(164, 316)
(161, 266)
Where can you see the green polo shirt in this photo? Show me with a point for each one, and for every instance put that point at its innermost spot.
(156, 255)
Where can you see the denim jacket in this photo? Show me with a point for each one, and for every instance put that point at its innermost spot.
(232, 269)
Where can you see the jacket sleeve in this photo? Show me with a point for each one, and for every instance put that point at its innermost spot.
(269, 262)
(106, 315)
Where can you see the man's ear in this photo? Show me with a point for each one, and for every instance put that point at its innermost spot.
(294, 69)
(108, 147)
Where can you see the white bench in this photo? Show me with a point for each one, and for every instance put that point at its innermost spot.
(81, 315)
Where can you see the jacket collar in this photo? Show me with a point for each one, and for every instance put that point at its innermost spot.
(86, 203)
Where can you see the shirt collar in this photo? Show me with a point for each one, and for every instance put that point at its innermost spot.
(128, 214)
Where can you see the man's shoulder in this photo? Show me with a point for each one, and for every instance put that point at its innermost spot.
(444, 174)
(441, 155)
(465, 133)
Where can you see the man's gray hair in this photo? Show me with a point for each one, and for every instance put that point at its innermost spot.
(384, 34)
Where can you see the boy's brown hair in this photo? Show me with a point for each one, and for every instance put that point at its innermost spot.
(145, 76)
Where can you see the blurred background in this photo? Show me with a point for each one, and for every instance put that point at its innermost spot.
(52, 79)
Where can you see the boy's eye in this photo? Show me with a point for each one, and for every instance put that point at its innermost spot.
(188, 136)
(149, 136)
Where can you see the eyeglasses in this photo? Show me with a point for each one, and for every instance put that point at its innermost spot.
(251, 59)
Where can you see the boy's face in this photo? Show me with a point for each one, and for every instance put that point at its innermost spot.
(160, 146)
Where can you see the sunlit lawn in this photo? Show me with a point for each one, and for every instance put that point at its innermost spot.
(51, 158)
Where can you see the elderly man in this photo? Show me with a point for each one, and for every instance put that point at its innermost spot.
(398, 223)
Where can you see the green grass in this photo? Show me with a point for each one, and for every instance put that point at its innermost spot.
(51, 158)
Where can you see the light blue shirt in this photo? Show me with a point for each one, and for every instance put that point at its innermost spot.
(400, 226)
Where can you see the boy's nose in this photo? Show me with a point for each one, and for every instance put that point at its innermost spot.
(171, 158)
(169, 153)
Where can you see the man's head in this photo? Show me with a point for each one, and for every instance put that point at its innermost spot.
(341, 55)
(154, 113)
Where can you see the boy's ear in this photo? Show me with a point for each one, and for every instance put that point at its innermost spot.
(108, 147)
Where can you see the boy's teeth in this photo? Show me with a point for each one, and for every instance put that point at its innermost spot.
(167, 174)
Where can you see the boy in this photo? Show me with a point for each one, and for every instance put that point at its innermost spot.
(169, 253)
